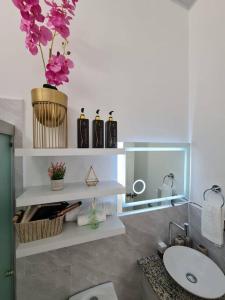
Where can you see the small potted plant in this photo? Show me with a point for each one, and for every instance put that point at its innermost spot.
(57, 172)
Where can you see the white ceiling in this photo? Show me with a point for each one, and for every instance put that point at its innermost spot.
(185, 3)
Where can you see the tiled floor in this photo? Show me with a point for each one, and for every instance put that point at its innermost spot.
(58, 274)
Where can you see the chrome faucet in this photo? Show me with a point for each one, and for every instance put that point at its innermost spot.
(185, 229)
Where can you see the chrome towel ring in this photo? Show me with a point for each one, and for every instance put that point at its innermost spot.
(216, 189)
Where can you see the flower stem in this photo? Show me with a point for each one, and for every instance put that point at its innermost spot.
(51, 48)
(65, 46)
(42, 57)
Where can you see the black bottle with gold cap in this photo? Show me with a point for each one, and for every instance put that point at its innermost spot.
(111, 132)
(98, 132)
(82, 131)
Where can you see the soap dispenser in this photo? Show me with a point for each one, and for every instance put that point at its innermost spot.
(98, 132)
(111, 132)
(82, 131)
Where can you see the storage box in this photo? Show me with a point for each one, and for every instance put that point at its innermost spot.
(37, 230)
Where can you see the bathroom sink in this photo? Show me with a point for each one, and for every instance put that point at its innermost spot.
(195, 272)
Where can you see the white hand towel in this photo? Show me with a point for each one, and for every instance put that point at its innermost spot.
(166, 190)
(212, 222)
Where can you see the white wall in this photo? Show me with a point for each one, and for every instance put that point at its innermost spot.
(207, 95)
(130, 57)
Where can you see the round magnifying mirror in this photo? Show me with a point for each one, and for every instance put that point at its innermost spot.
(139, 186)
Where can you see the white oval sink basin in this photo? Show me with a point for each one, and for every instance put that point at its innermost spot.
(195, 272)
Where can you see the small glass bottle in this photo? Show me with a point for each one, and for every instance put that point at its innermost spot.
(93, 220)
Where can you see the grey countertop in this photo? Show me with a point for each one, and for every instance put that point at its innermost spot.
(161, 282)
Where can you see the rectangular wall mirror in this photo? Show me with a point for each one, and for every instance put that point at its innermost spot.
(156, 175)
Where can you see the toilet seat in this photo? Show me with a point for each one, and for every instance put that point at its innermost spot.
(103, 291)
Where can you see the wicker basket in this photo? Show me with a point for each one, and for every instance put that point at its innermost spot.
(37, 230)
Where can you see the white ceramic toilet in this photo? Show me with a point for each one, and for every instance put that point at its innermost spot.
(104, 291)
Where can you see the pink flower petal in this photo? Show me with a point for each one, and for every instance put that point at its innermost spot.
(70, 63)
(45, 35)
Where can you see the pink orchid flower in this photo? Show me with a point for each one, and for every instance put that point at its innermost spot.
(39, 30)
(57, 69)
(59, 21)
(45, 35)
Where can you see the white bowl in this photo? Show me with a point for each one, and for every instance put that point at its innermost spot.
(195, 272)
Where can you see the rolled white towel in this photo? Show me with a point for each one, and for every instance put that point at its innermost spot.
(72, 215)
(85, 218)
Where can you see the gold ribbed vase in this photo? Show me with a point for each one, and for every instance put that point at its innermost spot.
(49, 118)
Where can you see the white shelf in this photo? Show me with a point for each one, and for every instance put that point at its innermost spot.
(30, 152)
(72, 191)
(73, 235)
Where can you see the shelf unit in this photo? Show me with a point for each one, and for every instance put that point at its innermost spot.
(72, 235)
(30, 152)
(72, 191)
